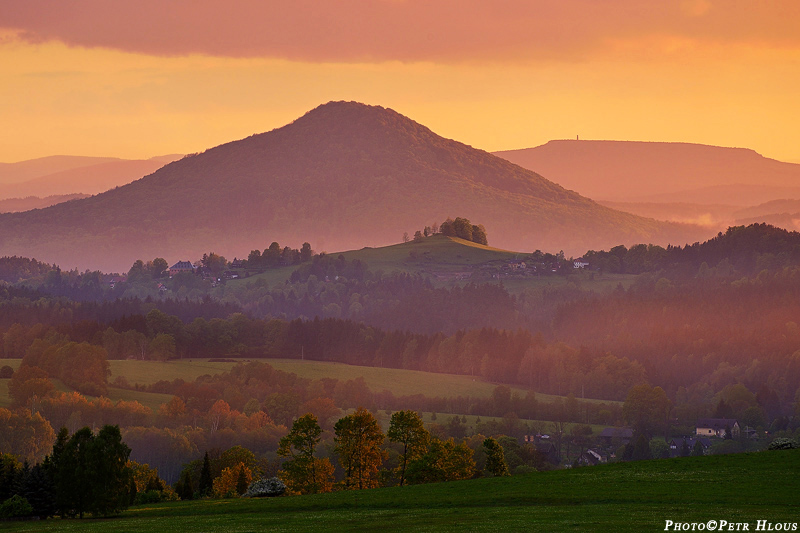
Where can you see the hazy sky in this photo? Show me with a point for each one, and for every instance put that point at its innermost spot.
(138, 79)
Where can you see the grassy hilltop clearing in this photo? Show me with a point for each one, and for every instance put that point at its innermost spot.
(450, 260)
(619, 497)
(436, 254)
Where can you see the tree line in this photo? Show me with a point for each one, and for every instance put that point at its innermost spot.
(84, 473)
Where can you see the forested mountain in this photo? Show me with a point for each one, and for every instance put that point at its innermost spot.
(344, 175)
(661, 172)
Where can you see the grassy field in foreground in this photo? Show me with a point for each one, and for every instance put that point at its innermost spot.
(611, 498)
(399, 382)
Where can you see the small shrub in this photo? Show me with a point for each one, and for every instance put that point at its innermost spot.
(782, 443)
(15, 507)
(267, 487)
(6, 372)
(90, 389)
(150, 496)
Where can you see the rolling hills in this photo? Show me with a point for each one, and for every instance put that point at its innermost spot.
(64, 175)
(42, 166)
(343, 176)
(16, 205)
(661, 172)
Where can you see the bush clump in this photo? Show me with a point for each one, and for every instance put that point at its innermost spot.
(782, 443)
(265, 488)
(15, 507)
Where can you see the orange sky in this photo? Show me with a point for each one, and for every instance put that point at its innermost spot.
(92, 77)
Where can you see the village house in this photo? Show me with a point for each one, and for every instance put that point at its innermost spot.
(114, 280)
(717, 427)
(580, 263)
(677, 449)
(517, 265)
(544, 446)
(616, 436)
(180, 266)
(592, 457)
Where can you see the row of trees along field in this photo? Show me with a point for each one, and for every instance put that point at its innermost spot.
(253, 405)
(83, 473)
(92, 473)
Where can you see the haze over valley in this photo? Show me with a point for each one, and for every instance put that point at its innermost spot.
(529, 266)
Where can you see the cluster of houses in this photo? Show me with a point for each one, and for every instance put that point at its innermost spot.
(197, 268)
(613, 437)
(518, 267)
(183, 267)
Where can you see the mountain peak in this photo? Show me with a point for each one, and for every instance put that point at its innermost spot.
(344, 175)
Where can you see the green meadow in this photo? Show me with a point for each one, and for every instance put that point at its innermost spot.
(399, 382)
(441, 257)
(435, 253)
(640, 496)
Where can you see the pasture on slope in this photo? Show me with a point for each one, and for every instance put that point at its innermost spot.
(153, 400)
(637, 496)
(441, 259)
(398, 382)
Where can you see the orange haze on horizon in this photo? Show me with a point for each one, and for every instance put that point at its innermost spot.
(148, 78)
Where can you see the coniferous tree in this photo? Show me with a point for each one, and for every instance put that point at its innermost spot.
(641, 450)
(73, 486)
(91, 473)
(132, 492)
(186, 491)
(728, 432)
(698, 450)
(685, 451)
(109, 472)
(8, 473)
(19, 479)
(38, 489)
(241, 482)
(206, 484)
